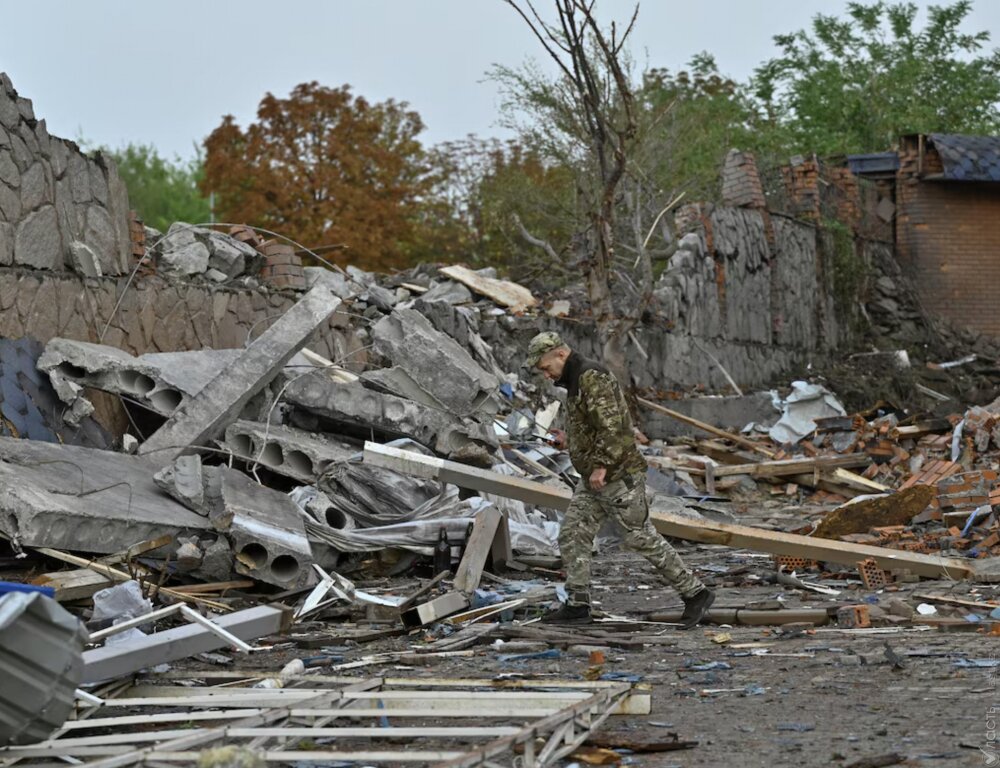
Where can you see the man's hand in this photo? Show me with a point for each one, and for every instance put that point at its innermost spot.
(558, 439)
(597, 478)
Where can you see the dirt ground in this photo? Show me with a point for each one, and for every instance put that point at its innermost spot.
(823, 697)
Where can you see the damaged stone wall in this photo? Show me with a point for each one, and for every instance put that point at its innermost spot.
(750, 289)
(59, 208)
(154, 315)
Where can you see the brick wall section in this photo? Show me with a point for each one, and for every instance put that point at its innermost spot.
(282, 266)
(802, 186)
(948, 241)
(741, 187)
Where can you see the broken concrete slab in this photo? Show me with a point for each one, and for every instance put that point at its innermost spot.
(288, 451)
(86, 500)
(435, 364)
(266, 529)
(320, 404)
(203, 416)
(159, 380)
(41, 664)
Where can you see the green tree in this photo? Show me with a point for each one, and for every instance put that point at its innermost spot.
(690, 120)
(159, 190)
(856, 84)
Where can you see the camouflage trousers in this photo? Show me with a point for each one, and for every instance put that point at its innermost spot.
(623, 501)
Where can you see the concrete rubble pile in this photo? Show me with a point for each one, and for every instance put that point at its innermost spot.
(360, 480)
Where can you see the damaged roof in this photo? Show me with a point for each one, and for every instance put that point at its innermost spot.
(968, 158)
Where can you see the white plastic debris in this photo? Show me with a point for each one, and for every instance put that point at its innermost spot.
(801, 408)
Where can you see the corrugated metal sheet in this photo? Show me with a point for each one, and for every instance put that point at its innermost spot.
(29, 406)
(968, 158)
(41, 663)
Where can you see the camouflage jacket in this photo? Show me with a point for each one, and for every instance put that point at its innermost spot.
(599, 426)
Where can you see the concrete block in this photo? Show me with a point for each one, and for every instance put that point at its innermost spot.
(159, 381)
(320, 403)
(436, 364)
(84, 500)
(202, 417)
(267, 531)
(288, 451)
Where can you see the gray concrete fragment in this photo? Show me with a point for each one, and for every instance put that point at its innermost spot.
(83, 260)
(436, 364)
(6, 244)
(183, 480)
(190, 259)
(160, 380)
(228, 255)
(83, 499)
(202, 417)
(319, 402)
(291, 452)
(334, 281)
(266, 530)
(449, 292)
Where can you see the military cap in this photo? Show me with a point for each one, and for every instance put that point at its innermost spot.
(544, 342)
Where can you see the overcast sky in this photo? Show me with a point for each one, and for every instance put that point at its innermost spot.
(119, 71)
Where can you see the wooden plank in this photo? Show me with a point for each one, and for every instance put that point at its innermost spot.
(409, 601)
(738, 439)
(116, 575)
(787, 467)
(828, 550)
(464, 476)
(501, 552)
(436, 609)
(72, 585)
(477, 549)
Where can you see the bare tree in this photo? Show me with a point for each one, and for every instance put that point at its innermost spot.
(593, 102)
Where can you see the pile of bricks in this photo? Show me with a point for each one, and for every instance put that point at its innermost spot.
(282, 266)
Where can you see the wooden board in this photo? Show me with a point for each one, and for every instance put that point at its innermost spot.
(477, 549)
(826, 550)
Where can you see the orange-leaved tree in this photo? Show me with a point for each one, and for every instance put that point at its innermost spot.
(325, 167)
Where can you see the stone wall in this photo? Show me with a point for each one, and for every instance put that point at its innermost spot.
(59, 208)
(154, 315)
(750, 289)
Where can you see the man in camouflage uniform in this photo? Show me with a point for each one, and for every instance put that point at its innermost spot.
(602, 447)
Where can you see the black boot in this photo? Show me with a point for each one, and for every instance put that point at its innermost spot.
(695, 607)
(569, 614)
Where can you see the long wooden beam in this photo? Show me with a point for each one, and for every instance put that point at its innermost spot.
(826, 550)
(705, 531)
(785, 467)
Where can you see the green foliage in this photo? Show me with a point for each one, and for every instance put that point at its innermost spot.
(690, 120)
(849, 269)
(856, 84)
(160, 190)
